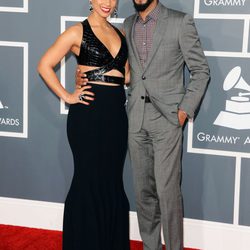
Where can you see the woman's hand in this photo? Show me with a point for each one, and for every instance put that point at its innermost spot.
(81, 95)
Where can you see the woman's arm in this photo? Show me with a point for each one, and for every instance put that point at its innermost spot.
(127, 68)
(68, 41)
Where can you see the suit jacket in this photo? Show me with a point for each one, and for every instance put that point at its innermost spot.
(175, 43)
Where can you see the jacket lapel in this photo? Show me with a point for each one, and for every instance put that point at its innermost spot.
(132, 41)
(159, 32)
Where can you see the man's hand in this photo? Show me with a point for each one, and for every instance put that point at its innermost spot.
(182, 116)
(81, 78)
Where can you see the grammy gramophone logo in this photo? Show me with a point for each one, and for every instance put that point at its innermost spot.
(237, 109)
(2, 106)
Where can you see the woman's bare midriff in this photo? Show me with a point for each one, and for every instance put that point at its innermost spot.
(112, 72)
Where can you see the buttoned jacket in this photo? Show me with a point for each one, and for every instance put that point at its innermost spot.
(175, 44)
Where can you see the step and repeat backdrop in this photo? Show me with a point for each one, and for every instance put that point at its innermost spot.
(36, 163)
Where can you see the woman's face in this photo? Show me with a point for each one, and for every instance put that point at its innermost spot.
(104, 8)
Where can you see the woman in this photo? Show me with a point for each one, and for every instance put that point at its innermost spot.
(96, 207)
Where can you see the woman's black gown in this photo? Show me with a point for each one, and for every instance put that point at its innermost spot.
(96, 214)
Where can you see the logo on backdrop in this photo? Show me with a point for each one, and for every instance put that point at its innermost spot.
(11, 102)
(6, 121)
(232, 7)
(237, 109)
(2, 106)
(14, 104)
(224, 2)
(223, 122)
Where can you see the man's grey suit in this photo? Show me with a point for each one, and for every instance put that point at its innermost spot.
(155, 135)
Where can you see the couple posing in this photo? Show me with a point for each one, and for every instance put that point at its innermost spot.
(159, 41)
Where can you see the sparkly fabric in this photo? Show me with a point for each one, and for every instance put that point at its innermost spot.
(94, 53)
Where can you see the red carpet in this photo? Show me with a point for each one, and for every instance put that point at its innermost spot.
(22, 238)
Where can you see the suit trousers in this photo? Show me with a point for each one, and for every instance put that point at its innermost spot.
(155, 153)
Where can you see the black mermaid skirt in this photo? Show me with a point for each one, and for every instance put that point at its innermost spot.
(96, 214)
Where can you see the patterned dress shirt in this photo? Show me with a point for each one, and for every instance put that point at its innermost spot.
(143, 34)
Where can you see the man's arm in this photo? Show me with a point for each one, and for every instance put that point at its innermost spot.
(197, 64)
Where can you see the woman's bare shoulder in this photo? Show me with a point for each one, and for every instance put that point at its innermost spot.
(75, 30)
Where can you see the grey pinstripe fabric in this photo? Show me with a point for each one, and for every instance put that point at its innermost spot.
(155, 135)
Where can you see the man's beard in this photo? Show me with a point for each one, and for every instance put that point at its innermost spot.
(142, 7)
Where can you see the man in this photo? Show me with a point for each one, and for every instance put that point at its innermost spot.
(160, 42)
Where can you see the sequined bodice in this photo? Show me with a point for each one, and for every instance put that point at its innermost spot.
(94, 53)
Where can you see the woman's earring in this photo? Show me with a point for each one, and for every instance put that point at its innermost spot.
(115, 13)
(90, 6)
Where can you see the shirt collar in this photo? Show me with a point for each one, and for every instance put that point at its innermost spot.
(152, 15)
